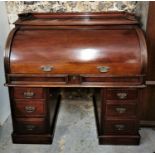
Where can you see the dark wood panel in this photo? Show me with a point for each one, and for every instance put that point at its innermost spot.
(32, 139)
(80, 78)
(29, 93)
(56, 79)
(119, 139)
(31, 125)
(120, 127)
(147, 112)
(121, 110)
(121, 102)
(101, 78)
(150, 36)
(121, 94)
(29, 108)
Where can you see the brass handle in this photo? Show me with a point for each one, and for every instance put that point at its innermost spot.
(28, 94)
(30, 109)
(122, 95)
(30, 127)
(121, 110)
(120, 127)
(47, 68)
(103, 69)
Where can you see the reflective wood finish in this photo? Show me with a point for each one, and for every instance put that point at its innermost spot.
(76, 52)
(103, 51)
(29, 108)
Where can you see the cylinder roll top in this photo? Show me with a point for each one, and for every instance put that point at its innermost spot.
(88, 44)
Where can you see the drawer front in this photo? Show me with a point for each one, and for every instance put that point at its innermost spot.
(121, 94)
(29, 93)
(121, 110)
(121, 127)
(30, 108)
(122, 102)
(70, 67)
(31, 125)
(50, 79)
(102, 79)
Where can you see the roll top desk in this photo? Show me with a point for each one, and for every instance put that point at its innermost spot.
(49, 51)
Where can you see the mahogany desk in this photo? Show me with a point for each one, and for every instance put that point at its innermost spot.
(49, 51)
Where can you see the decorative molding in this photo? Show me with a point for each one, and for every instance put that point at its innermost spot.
(16, 7)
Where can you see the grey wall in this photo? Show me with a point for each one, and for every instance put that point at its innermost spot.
(4, 99)
(142, 12)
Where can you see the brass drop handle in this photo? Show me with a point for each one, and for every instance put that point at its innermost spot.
(122, 95)
(120, 127)
(28, 94)
(47, 68)
(30, 127)
(103, 69)
(30, 109)
(121, 110)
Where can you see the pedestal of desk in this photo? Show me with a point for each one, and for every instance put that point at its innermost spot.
(34, 113)
(116, 111)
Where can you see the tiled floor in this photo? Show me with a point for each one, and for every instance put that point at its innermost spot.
(75, 132)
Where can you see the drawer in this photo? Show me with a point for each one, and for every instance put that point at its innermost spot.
(29, 108)
(122, 102)
(121, 110)
(29, 93)
(31, 125)
(121, 127)
(103, 79)
(121, 94)
(58, 79)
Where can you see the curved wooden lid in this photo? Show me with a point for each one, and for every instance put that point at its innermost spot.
(41, 43)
